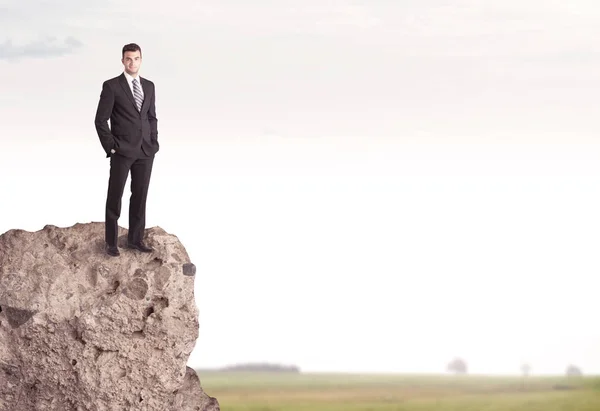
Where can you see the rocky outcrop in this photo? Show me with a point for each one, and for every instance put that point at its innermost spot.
(83, 331)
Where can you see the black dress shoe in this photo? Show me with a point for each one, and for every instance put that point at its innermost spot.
(140, 247)
(113, 250)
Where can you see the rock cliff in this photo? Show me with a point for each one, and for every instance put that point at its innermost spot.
(83, 331)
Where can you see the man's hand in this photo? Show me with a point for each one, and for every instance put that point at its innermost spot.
(105, 106)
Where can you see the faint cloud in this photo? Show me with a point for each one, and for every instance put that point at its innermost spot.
(349, 15)
(333, 17)
(43, 29)
(47, 48)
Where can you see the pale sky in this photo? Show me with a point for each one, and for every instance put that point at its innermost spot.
(363, 186)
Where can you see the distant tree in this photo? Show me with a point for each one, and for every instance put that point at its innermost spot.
(525, 371)
(262, 367)
(573, 371)
(457, 366)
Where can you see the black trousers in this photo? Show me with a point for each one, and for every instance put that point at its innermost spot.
(140, 168)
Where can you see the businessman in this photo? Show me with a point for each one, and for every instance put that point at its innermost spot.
(131, 142)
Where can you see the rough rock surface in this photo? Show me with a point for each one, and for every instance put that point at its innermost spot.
(83, 331)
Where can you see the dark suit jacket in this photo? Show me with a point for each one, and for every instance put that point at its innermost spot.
(132, 133)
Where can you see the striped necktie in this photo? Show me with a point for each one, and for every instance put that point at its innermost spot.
(137, 95)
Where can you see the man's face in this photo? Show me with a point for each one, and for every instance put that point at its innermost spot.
(132, 60)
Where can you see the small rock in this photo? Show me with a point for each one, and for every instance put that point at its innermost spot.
(189, 269)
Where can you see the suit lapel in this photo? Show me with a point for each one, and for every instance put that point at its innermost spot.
(126, 89)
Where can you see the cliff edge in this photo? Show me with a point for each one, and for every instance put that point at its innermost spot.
(82, 331)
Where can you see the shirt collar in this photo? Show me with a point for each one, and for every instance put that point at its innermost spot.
(130, 78)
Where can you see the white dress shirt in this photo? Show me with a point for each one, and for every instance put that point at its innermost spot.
(130, 82)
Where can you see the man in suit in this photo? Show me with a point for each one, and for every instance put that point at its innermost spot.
(131, 142)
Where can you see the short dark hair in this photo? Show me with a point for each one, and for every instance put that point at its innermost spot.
(131, 47)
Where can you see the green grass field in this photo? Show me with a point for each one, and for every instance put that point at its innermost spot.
(241, 391)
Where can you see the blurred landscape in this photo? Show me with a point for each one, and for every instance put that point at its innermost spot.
(274, 391)
(274, 387)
